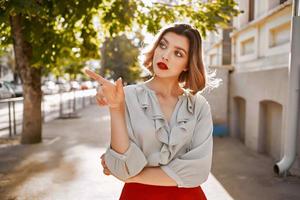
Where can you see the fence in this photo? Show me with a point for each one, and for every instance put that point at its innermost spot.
(62, 105)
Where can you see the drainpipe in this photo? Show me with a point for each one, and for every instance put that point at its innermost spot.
(281, 168)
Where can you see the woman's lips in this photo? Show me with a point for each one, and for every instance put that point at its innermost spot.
(162, 66)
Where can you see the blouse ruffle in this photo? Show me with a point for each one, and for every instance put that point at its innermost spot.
(174, 138)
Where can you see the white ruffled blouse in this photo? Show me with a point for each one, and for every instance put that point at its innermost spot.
(183, 148)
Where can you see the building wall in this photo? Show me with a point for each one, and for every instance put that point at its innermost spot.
(5, 73)
(217, 55)
(259, 83)
(218, 97)
(270, 129)
(212, 47)
(255, 88)
(258, 45)
(6, 64)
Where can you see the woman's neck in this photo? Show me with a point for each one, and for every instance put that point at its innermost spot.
(164, 87)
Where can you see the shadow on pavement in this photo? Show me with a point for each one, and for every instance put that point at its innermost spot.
(66, 145)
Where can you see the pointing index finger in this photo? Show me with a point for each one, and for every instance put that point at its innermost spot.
(94, 75)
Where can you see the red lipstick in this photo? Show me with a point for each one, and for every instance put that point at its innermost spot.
(162, 66)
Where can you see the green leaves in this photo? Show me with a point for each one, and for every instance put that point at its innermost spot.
(54, 27)
(117, 15)
(119, 58)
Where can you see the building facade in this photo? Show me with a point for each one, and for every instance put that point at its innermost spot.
(258, 79)
(7, 64)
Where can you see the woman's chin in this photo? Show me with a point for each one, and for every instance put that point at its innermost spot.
(160, 74)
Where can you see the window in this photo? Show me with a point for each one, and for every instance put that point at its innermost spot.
(282, 1)
(251, 10)
(247, 46)
(213, 60)
(280, 35)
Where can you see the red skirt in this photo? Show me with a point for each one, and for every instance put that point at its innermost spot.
(137, 191)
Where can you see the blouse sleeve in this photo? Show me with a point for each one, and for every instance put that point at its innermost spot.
(192, 168)
(129, 164)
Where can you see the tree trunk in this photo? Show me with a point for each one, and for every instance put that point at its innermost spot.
(31, 79)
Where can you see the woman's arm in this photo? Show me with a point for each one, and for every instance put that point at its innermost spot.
(152, 176)
(120, 144)
(149, 175)
(124, 158)
(119, 134)
(115, 99)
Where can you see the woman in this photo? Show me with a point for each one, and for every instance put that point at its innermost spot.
(161, 130)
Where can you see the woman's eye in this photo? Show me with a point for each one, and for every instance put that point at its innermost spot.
(162, 45)
(178, 53)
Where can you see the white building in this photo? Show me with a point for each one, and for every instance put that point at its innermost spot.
(7, 64)
(258, 81)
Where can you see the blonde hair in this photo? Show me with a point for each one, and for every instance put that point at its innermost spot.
(195, 78)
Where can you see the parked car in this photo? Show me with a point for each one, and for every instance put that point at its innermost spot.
(16, 87)
(95, 84)
(6, 91)
(64, 86)
(75, 85)
(49, 87)
(86, 85)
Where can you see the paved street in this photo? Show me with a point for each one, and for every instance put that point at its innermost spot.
(67, 166)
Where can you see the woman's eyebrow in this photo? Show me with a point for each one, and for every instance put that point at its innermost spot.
(177, 47)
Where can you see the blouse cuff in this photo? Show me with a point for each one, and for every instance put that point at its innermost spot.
(126, 165)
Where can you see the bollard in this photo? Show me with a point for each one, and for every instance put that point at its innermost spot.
(83, 101)
(43, 109)
(60, 105)
(9, 119)
(14, 117)
(74, 101)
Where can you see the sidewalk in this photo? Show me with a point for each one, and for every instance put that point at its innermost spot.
(247, 175)
(67, 166)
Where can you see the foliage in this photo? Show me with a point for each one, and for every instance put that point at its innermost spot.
(56, 30)
(61, 32)
(119, 59)
(204, 16)
(59, 36)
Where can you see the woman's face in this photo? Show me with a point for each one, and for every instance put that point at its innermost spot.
(171, 55)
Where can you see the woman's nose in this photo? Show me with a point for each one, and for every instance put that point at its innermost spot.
(165, 56)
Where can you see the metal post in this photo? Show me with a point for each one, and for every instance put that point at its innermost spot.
(14, 117)
(9, 119)
(74, 101)
(60, 105)
(43, 108)
(83, 101)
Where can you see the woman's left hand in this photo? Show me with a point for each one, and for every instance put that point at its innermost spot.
(105, 169)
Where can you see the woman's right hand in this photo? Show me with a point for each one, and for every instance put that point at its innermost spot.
(101, 100)
(111, 94)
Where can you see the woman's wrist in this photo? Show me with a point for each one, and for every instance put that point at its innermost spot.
(117, 107)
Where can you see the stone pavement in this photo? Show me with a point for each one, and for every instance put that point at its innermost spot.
(247, 175)
(66, 165)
